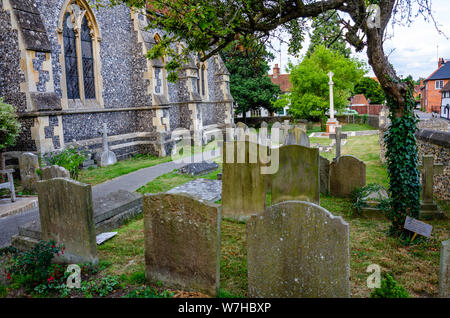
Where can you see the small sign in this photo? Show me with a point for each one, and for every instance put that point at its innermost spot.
(418, 227)
(104, 237)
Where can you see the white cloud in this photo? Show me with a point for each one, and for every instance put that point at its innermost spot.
(412, 50)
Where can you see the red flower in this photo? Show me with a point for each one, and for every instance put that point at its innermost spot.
(8, 276)
(50, 279)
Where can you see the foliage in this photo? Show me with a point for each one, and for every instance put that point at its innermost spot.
(148, 292)
(9, 125)
(326, 31)
(70, 158)
(33, 267)
(401, 155)
(389, 289)
(371, 89)
(250, 86)
(358, 195)
(310, 90)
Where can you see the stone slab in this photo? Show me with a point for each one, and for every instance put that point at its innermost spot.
(444, 270)
(182, 242)
(198, 168)
(21, 204)
(204, 189)
(298, 249)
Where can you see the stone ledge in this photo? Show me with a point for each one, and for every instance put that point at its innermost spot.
(435, 137)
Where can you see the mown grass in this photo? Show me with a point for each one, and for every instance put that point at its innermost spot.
(415, 267)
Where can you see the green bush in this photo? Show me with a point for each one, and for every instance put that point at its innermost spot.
(9, 125)
(148, 292)
(70, 158)
(389, 289)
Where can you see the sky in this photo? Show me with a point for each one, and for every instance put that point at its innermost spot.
(415, 50)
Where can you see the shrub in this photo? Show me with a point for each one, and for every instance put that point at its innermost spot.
(148, 292)
(389, 289)
(9, 125)
(33, 267)
(70, 158)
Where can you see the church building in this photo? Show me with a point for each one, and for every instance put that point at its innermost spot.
(69, 68)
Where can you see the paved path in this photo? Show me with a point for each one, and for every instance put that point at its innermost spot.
(131, 182)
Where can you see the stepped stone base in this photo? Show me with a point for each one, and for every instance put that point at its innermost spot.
(430, 211)
(110, 212)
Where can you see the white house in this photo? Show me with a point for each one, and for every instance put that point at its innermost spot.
(445, 105)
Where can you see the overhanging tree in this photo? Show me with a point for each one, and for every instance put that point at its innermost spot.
(371, 90)
(209, 26)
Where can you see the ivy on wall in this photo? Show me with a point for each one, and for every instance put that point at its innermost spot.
(402, 157)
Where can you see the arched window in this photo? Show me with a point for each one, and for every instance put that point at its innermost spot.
(158, 73)
(79, 37)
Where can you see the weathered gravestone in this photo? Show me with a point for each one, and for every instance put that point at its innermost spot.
(67, 216)
(182, 242)
(243, 185)
(54, 172)
(298, 249)
(324, 166)
(28, 164)
(444, 272)
(346, 174)
(107, 157)
(297, 177)
(278, 132)
(240, 131)
(297, 136)
(428, 208)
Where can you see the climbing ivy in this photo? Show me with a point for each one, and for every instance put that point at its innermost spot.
(401, 154)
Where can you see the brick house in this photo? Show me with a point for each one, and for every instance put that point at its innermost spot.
(445, 105)
(431, 97)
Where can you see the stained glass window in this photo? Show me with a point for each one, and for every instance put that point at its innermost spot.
(88, 60)
(70, 58)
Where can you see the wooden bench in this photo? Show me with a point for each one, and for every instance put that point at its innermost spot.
(10, 184)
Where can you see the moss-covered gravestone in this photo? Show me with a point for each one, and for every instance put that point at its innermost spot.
(243, 184)
(182, 242)
(324, 167)
(298, 249)
(297, 177)
(444, 272)
(66, 215)
(346, 174)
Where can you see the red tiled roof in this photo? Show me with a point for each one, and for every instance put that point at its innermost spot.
(359, 99)
(283, 81)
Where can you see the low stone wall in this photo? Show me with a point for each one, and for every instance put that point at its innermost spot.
(256, 121)
(437, 144)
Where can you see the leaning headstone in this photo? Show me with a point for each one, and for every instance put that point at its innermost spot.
(28, 164)
(243, 185)
(107, 157)
(67, 216)
(182, 242)
(324, 175)
(444, 272)
(346, 174)
(297, 177)
(297, 136)
(54, 171)
(298, 249)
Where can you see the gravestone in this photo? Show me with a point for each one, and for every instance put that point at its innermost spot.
(324, 166)
(373, 199)
(428, 208)
(243, 185)
(444, 271)
(182, 242)
(67, 216)
(54, 172)
(298, 249)
(198, 168)
(297, 136)
(277, 127)
(346, 174)
(28, 164)
(202, 189)
(338, 136)
(297, 177)
(107, 157)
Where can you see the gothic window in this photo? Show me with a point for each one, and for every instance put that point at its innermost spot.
(79, 36)
(203, 80)
(70, 58)
(88, 60)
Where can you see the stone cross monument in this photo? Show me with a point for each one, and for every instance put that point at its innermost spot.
(332, 122)
(107, 157)
(338, 136)
(428, 208)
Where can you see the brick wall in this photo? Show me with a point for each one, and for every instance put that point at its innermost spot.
(374, 109)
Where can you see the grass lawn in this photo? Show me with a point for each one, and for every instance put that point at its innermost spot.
(415, 267)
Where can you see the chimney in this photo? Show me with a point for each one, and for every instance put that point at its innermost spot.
(276, 71)
(421, 82)
(441, 62)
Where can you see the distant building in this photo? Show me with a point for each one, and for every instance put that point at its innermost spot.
(431, 97)
(445, 104)
(362, 105)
